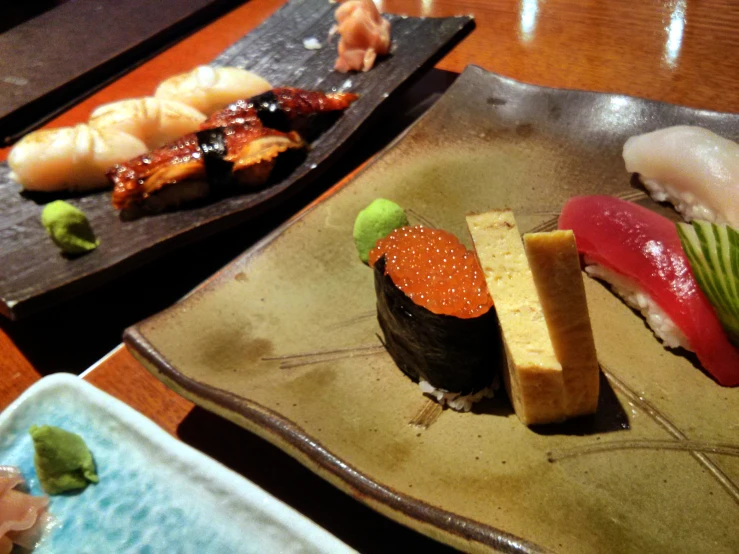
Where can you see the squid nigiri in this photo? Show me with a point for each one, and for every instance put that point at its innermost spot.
(154, 121)
(209, 89)
(693, 168)
(364, 35)
(639, 253)
(73, 158)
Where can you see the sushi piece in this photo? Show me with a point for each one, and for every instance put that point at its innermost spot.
(284, 109)
(639, 253)
(154, 121)
(240, 144)
(209, 89)
(200, 164)
(364, 35)
(70, 158)
(436, 314)
(693, 168)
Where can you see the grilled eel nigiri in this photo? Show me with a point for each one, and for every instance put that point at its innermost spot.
(244, 134)
(186, 169)
(280, 108)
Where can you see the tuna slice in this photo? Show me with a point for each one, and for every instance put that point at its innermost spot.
(644, 248)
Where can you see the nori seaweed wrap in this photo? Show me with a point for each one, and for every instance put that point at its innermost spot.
(455, 354)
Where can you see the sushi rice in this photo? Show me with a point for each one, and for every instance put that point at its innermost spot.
(659, 322)
(455, 400)
(685, 202)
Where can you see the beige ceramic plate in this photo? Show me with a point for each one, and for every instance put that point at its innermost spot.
(283, 342)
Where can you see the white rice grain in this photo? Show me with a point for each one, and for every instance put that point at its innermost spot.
(685, 202)
(659, 322)
(455, 400)
(312, 43)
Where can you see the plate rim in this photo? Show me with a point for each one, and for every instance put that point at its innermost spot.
(265, 422)
(447, 526)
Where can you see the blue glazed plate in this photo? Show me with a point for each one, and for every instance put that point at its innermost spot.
(155, 494)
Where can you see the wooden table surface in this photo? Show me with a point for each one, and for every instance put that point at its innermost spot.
(679, 51)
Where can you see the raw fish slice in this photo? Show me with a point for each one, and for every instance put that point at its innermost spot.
(364, 35)
(644, 248)
(694, 169)
(208, 89)
(74, 158)
(154, 121)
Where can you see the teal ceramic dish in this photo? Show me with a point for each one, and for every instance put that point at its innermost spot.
(155, 493)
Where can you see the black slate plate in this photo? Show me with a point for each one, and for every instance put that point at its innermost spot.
(33, 274)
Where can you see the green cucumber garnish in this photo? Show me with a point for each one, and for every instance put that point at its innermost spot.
(713, 253)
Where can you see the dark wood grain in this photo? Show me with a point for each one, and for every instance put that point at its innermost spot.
(35, 275)
(16, 373)
(48, 63)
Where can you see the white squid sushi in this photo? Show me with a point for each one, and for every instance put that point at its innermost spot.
(154, 121)
(693, 168)
(70, 158)
(209, 89)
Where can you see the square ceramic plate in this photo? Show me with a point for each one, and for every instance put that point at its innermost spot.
(155, 494)
(284, 342)
(34, 274)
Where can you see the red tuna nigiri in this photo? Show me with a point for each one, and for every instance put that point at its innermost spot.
(644, 247)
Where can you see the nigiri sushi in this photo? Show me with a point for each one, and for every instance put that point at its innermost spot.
(154, 121)
(365, 34)
(280, 108)
(639, 253)
(74, 158)
(192, 166)
(239, 144)
(209, 89)
(693, 168)
(436, 314)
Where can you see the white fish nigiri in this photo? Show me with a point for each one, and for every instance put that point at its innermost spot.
(154, 121)
(70, 158)
(693, 168)
(209, 89)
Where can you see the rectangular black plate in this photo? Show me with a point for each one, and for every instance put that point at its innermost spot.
(47, 63)
(33, 274)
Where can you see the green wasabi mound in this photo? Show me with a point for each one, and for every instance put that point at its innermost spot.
(375, 222)
(63, 461)
(68, 227)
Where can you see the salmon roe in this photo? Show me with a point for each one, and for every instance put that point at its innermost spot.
(434, 270)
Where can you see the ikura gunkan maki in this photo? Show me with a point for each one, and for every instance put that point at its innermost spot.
(436, 314)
